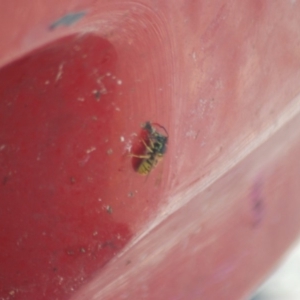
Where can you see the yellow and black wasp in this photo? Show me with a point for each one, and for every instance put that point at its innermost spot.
(155, 148)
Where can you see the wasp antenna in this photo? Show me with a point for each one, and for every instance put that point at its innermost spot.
(162, 127)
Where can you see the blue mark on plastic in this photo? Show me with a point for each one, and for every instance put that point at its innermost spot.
(68, 19)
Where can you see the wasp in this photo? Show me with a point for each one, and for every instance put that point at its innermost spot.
(155, 149)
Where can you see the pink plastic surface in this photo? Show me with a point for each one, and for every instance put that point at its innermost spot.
(78, 79)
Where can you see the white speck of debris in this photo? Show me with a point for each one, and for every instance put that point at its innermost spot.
(95, 233)
(119, 82)
(122, 139)
(80, 99)
(60, 71)
(194, 56)
(60, 280)
(191, 134)
(117, 109)
(12, 292)
(109, 151)
(99, 80)
(103, 89)
(108, 208)
(47, 82)
(99, 199)
(2, 147)
(92, 149)
(128, 146)
(108, 74)
(84, 160)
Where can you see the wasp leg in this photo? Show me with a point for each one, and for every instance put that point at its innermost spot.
(149, 149)
(140, 156)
